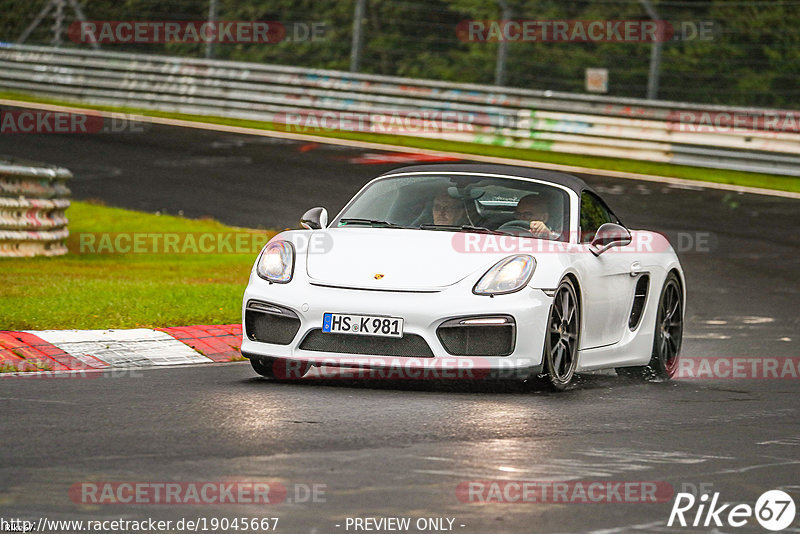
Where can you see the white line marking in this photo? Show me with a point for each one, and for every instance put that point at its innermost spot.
(37, 400)
(784, 441)
(736, 471)
(750, 468)
(694, 184)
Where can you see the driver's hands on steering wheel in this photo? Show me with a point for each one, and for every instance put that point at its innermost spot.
(540, 229)
(537, 228)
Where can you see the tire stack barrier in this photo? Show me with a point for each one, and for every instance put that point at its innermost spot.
(33, 201)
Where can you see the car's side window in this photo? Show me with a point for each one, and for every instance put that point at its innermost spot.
(594, 214)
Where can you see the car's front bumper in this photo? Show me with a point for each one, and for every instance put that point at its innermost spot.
(422, 313)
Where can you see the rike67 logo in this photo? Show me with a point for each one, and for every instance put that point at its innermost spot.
(774, 510)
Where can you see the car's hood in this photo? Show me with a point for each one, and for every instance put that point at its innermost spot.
(392, 259)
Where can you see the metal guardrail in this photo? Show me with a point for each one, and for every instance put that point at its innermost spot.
(296, 99)
(33, 199)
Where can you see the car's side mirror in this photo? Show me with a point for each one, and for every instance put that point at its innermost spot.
(609, 235)
(314, 219)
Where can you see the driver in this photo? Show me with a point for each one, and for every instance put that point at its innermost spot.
(535, 208)
(448, 211)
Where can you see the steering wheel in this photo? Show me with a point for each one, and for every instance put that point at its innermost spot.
(518, 225)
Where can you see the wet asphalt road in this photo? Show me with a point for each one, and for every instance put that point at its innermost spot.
(402, 449)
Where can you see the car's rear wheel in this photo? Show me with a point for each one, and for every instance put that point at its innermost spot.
(668, 336)
(563, 336)
(279, 368)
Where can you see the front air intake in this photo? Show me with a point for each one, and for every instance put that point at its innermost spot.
(408, 346)
(269, 323)
(478, 336)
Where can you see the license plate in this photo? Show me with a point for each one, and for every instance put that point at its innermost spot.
(365, 325)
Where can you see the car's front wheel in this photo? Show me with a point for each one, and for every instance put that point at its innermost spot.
(668, 336)
(563, 336)
(279, 368)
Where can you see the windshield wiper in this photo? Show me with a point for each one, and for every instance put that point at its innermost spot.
(371, 222)
(460, 228)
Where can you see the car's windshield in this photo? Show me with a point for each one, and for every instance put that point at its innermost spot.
(462, 203)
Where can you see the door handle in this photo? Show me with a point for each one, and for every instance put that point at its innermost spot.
(636, 268)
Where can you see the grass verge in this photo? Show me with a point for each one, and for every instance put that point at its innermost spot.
(86, 290)
(767, 181)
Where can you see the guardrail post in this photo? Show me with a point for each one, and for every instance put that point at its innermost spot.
(33, 199)
(358, 35)
(502, 47)
(212, 17)
(655, 55)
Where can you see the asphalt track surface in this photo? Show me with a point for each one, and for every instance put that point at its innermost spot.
(389, 449)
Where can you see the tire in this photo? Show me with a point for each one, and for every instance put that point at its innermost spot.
(667, 337)
(562, 338)
(277, 368)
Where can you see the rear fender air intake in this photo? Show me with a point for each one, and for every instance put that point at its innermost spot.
(639, 299)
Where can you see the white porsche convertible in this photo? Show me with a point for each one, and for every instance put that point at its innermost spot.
(467, 271)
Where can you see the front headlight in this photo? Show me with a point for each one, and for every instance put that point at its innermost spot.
(506, 276)
(276, 263)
